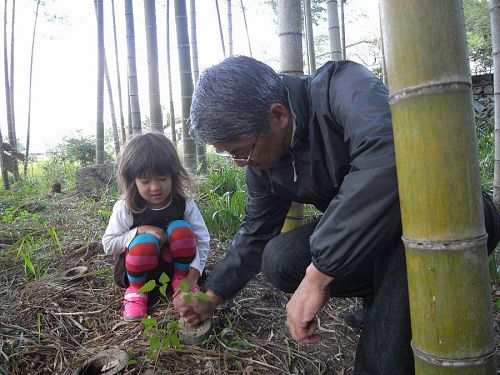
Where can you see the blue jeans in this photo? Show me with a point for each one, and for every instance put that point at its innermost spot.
(384, 344)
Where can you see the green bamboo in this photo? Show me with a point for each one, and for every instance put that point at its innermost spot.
(184, 55)
(291, 62)
(100, 85)
(495, 36)
(153, 74)
(439, 186)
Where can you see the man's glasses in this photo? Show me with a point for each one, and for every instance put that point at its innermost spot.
(236, 159)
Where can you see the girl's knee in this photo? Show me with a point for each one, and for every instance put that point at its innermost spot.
(146, 242)
(179, 229)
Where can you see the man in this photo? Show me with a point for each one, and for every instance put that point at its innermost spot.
(325, 140)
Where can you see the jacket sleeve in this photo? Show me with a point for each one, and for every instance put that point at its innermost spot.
(193, 216)
(264, 217)
(118, 234)
(364, 217)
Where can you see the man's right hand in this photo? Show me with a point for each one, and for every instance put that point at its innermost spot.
(196, 310)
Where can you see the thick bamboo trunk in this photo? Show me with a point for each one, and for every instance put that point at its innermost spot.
(201, 149)
(229, 27)
(169, 78)
(439, 187)
(135, 111)
(153, 74)
(100, 84)
(291, 62)
(332, 7)
(118, 76)
(495, 36)
(310, 36)
(186, 82)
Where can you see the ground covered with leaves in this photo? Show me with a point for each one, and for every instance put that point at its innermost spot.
(51, 323)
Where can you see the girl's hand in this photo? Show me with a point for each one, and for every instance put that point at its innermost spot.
(155, 231)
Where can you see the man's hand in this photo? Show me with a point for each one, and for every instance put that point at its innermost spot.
(196, 310)
(155, 231)
(311, 295)
(191, 279)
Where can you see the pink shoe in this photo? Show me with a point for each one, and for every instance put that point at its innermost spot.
(135, 304)
(176, 282)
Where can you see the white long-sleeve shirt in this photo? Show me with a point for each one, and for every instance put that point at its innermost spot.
(118, 234)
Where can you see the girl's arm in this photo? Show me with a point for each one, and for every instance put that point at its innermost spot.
(118, 234)
(193, 216)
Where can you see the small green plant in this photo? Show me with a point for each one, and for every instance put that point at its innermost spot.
(160, 338)
(24, 252)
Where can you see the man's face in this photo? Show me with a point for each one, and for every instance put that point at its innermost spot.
(263, 150)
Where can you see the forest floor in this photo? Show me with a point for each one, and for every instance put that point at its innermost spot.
(51, 325)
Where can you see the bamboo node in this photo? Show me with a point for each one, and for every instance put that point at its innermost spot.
(459, 245)
(428, 88)
(452, 362)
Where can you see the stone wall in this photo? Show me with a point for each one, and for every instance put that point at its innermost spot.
(482, 89)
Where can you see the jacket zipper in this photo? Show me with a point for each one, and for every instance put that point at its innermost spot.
(293, 166)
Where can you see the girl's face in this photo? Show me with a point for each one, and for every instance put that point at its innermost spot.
(155, 190)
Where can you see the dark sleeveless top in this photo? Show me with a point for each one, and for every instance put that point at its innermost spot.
(161, 218)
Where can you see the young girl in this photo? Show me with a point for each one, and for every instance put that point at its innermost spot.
(154, 227)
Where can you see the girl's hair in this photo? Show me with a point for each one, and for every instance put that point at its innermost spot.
(147, 155)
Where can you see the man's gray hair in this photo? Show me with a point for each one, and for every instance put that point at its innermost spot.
(232, 100)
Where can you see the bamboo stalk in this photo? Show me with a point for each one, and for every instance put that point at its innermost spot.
(439, 186)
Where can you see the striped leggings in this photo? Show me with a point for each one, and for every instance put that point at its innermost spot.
(144, 253)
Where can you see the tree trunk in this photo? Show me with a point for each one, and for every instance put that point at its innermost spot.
(135, 110)
(100, 84)
(201, 149)
(114, 125)
(246, 27)
(291, 62)
(154, 78)
(310, 37)
(27, 151)
(495, 35)
(439, 187)
(169, 76)
(334, 30)
(290, 34)
(220, 29)
(342, 29)
(186, 82)
(3, 166)
(12, 133)
(120, 102)
(9, 102)
(229, 27)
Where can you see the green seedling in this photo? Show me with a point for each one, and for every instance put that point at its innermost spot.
(160, 338)
(183, 286)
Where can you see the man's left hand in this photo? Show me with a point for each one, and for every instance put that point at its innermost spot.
(311, 295)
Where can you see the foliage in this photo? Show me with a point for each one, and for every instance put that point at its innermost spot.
(80, 150)
(222, 197)
(486, 151)
(478, 29)
(318, 9)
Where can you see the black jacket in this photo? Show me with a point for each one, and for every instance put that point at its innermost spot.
(342, 161)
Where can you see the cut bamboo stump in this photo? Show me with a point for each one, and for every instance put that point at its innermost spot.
(190, 335)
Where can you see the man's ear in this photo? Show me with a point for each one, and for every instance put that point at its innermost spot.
(280, 115)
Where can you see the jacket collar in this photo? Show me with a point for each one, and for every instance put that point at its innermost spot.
(299, 101)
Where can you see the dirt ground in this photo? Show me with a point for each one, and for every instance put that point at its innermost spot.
(52, 325)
